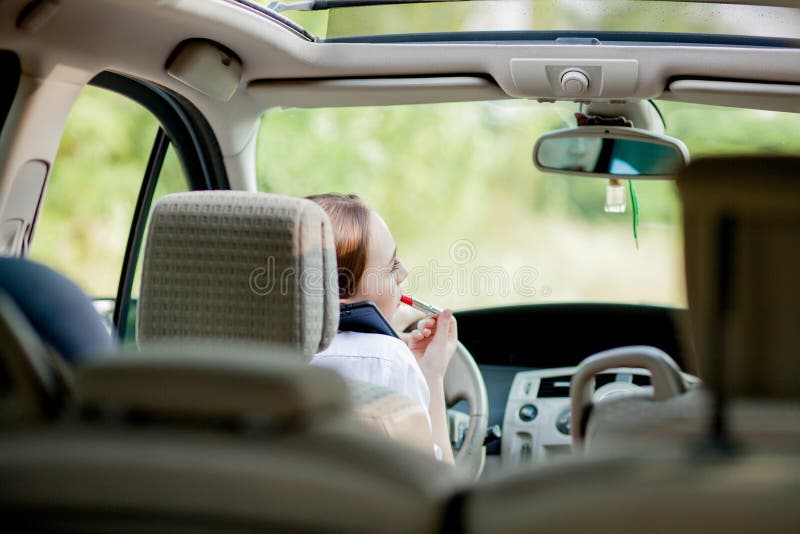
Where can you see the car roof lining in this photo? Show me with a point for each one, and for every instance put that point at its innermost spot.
(271, 53)
(348, 92)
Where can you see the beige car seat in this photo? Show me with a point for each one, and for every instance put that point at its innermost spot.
(742, 244)
(256, 267)
(216, 431)
(213, 438)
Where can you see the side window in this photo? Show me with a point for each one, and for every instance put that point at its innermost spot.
(90, 200)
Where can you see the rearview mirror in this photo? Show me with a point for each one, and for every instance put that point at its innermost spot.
(610, 152)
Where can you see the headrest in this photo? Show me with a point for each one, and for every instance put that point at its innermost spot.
(742, 248)
(211, 383)
(239, 265)
(58, 310)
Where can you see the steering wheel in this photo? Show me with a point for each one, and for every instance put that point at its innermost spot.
(463, 381)
(665, 375)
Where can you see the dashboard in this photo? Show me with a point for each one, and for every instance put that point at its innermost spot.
(536, 422)
(529, 358)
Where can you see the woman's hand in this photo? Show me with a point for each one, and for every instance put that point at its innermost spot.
(419, 338)
(434, 342)
(403, 318)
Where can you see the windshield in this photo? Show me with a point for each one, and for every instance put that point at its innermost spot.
(476, 223)
(549, 15)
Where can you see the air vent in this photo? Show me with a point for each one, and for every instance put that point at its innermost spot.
(641, 380)
(603, 379)
(554, 386)
(558, 386)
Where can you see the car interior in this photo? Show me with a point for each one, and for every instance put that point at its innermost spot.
(644, 382)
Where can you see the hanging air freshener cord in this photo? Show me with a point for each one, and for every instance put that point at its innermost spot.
(635, 206)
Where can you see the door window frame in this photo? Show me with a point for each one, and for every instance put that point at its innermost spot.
(183, 126)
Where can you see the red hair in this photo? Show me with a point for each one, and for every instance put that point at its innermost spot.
(350, 219)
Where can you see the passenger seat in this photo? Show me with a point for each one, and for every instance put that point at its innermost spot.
(211, 427)
(214, 437)
(256, 267)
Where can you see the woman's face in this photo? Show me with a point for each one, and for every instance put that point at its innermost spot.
(383, 272)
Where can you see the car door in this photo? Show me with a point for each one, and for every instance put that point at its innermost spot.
(127, 143)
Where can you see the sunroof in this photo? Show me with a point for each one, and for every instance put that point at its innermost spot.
(410, 18)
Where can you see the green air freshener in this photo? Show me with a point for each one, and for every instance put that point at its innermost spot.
(635, 210)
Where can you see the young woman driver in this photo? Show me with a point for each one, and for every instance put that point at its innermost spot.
(368, 269)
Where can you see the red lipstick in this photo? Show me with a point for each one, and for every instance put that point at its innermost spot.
(419, 305)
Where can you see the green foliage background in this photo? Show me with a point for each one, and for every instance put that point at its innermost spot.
(91, 194)
(448, 173)
(439, 174)
(604, 15)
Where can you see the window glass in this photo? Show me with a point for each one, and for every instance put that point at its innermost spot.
(88, 209)
(83, 225)
(475, 223)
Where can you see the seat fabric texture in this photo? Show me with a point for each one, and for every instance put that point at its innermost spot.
(254, 383)
(239, 265)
